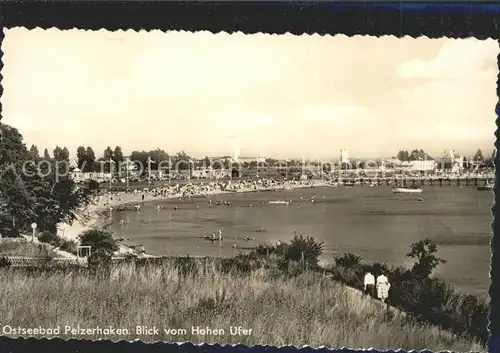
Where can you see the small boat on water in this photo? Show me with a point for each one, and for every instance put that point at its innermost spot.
(407, 191)
(279, 202)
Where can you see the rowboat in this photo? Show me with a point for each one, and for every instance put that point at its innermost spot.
(406, 191)
(280, 202)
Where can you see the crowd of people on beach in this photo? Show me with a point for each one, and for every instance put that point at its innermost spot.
(107, 198)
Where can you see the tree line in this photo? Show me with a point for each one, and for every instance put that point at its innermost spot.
(34, 193)
(87, 161)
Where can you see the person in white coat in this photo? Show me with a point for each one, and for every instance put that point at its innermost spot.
(383, 287)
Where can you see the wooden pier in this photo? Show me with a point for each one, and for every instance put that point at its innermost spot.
(416, 181)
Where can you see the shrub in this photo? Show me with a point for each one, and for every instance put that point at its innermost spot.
(10, 232)
(348, 260)
(101, 241)
(265, 250)
(424, 251)
(69, 246)
(347, 276)
(50, 238)
(306, 249)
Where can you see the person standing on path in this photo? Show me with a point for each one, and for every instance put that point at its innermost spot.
(369, 284)
(383, 287)
(142, 250)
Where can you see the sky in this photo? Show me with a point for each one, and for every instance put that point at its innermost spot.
(264, 95)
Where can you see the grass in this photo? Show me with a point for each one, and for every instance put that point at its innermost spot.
(308, 309)
(23, 247)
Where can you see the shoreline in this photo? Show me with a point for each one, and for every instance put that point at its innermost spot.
(93, 215)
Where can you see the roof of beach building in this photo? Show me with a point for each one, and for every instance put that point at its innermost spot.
(394, 161)
(251, 159)
(219, 158)
(420, 157)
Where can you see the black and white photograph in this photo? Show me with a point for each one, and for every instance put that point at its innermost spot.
(247, 188)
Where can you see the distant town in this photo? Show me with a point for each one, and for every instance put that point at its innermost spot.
(157, 164)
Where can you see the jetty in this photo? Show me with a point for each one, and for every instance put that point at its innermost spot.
(416, 181)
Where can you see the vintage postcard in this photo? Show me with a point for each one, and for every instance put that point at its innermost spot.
(258, 189)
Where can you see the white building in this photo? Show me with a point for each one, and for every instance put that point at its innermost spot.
(456, 161)
(127, 164)
(209, 173)
(344, 156)
(451, 161)
(392, 163)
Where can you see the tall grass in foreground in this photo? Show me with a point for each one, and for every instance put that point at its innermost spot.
(307, 309)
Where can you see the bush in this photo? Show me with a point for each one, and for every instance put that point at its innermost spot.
(306, 249)
(24, 248)
(100, 241)
(69, 246)
(424, 251)
(265, 250)
(10, 232)
(50, 238)
(348, 260)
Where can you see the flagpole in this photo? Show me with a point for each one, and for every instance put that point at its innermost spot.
(149, 170)
(258, 161)
(127, 175)
(110, 171)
